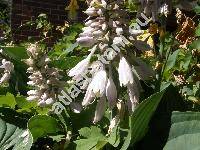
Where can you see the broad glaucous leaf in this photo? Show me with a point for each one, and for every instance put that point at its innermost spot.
(13, 131)
(13, 136)
(67, 63)
(185, 131)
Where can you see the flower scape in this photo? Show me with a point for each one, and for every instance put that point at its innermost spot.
(104, 32)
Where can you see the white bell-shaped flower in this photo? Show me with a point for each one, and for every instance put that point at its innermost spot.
(119, 31)
(81, 67)
(99, 82)
(32, 92)
(7, 65)
(89, 96)
(33, 50)
(96, 87)
(125, 72)
(91, 11)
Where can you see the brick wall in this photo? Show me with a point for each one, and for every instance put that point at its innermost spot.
(26, 10)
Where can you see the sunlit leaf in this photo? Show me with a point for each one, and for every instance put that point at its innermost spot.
(7, 100)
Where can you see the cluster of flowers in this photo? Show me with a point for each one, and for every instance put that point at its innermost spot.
(105, 27)
(8, 68)
(44, 79)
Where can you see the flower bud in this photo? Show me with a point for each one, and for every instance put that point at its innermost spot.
(5, 78)
(76, 107)
(111, 93)
(88, 23)
(100, 109)
(86, 41)
(113, 124)
(31, 98)
(89, 96)
(49, 101)
(91, 11)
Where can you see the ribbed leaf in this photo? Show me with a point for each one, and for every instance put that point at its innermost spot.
(13, 136)
(184, 132)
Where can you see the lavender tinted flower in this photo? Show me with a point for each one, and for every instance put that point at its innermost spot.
(44, 80)
(8, 67)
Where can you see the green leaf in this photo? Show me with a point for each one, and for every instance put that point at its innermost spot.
(114, 138)
(197, 9)
(140, 119)
(23, 104)
(16, 53)
(58, 138)
(42, 125)
(184, 142)
(186, 61)
(185, 131)
(91, 132)
(197, 32)
(94, 137)
(8, 100)
(100, 145)
(171, 61)
(195, 45)
(67, 63)
(86, 132)
(13, 136)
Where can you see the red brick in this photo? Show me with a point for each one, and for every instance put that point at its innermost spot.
(58, 12)
(46, 5)
(31, 3)
(27, 10)
(17, 1)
